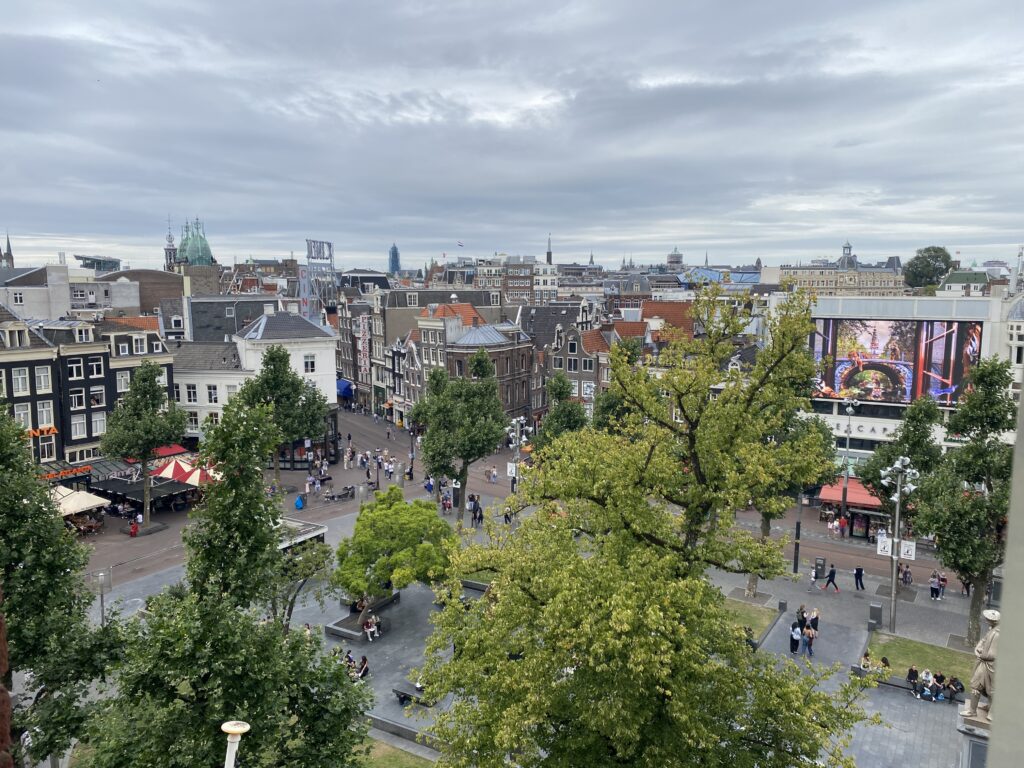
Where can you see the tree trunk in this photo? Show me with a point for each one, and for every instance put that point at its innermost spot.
(766, 529)
(147, 485)
(277, 468)
(977, 606)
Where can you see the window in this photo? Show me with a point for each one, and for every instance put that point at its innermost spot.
(559, 363)
(42, 379)
(83, 335)
(122, 349)
(191, 396)
(99, 423)
(177, 322)
(47, 448)
(95, 367)
(214, 418)
(44, 413)
(177, 393)
(495, 298)
(77, 398)
(139, 345)
(193, 421)
(23, 415)
(572, 348)
(124, 380)
(588, 364)
(161, 379)
(75, 369)
(606, 374)
(229, 311)
(98, 396)
(575, 388)
(19, 376)
(157, 347)
(3, 385)
(211, 393)
(78, 293)
(458, 368)
(309, 363)
(230, 389)
(412, 300)
(573, 363)
(508, 365)
(78, 427)
(19, 298)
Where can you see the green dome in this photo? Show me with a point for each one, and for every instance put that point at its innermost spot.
(193, 247)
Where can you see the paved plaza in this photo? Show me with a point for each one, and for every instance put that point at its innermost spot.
(919, 733)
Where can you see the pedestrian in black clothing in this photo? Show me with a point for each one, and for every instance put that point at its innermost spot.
(795, 633)
(858, 577)
(801, 617)
(831, 578)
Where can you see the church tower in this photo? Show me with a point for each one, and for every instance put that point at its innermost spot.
(170, 250)
(6, 257)
(549, 248)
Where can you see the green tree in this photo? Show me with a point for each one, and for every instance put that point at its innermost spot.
(609, 411)
(299, 407)
(395, 543)
(601, 641)
(632, 349)
(928, 266)
(197, 661)
(966, 500)
(143, 421)
(915, 439)
(308, 563)
(565, 414)
(464, 421)
(232, 543)
(45, 601)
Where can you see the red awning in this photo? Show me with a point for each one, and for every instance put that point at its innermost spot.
(856, 495)
(164, 451)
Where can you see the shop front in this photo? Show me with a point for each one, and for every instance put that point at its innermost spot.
(864, 510)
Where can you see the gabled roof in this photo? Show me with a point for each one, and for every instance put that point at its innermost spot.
(631, 329)
(205, 356)
(482, 336)
(594, 341)
(35, 340)
(282, 326)
(465, 312)
(540, 322)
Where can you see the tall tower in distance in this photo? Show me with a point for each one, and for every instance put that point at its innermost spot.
(170, 250)
(6, 257)
(394, 261)
(549, 248)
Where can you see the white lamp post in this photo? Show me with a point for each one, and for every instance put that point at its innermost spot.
(903, 476)
(851, 407)
(234, 729)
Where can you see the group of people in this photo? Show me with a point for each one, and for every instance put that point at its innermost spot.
(804, 631)
(933, 687)
(356, 671)
(937, 585)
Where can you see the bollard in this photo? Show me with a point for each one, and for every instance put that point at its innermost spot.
(872, 626)
(783, 606)
(875, 613)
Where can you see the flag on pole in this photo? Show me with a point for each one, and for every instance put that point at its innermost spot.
(459, 243)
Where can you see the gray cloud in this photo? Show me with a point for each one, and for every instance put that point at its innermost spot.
(745, 128)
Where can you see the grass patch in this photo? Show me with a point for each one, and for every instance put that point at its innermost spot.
(757, 617)
(385, 756)
(902, 652)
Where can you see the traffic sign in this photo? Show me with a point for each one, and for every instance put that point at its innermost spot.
(884, 546)
(908, 549)
(510, 469)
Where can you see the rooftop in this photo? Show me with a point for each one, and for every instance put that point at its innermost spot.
(631, 329)
(142, 323)
(481, 336)
(594, 341)
(465, 312)
(282, 326)
(205, 356)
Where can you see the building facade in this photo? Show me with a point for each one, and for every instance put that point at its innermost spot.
(848, 276)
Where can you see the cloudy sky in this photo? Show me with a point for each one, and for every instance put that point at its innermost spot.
(771, 129)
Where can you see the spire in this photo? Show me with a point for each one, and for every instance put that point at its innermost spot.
(7, 251)
(6, 257)
(549, 248)
(705, 258)
(591, 258)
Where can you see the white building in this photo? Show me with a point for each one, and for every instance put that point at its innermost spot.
(208, 374)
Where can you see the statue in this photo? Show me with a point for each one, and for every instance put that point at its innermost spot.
(983, 679)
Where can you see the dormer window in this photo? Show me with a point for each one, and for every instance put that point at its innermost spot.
(139, 345)
(83, 335)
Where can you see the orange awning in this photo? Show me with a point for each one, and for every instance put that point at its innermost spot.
(857, 495)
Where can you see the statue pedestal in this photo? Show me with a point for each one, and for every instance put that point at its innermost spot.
(974, 747)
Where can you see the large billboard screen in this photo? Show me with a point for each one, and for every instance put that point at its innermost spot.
(894, 361)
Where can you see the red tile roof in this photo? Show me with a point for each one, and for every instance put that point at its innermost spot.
(142, 323)
(466, 312)
(674, 313)
(631, 329)
(594, 341)
(414, 335)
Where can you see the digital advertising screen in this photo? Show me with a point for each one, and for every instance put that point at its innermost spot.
(895, 361)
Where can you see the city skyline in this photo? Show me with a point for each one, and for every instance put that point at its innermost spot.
(625, 130)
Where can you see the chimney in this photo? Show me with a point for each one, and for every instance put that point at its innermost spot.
(475, 321)
(268, 309)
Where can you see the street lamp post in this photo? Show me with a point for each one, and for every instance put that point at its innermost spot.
(234, 729)
(903, 475)
(376, 460)
(412, 446)
(851, 406)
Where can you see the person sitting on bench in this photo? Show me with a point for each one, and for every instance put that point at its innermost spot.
(363, 669)
(913, 677)
(370, 627)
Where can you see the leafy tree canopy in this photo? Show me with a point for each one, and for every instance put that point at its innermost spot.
(195, 662)
(965, 502)
(928, 266)
(395, 543)
(464, 420)
(143, 421)
(565, 414)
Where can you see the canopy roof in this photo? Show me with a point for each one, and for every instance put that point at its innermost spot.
(133, 490)
(857, 495)
(73, 502)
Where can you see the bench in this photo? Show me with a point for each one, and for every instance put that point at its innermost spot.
(895, 681)
(407, 693)
(350, 628)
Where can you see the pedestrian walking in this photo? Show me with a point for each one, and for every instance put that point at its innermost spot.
(801, 617)
(389, 433)
(943, 581)
(814, 579)
(794, 637)
(831, 578)
(908, 578)
(933, 585)
(842, 527)
(376, 418)
(858, 577)
(808, 640)
(349, 436)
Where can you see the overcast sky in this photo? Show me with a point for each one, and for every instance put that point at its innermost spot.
(771, 129)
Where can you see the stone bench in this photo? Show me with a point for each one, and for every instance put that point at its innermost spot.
(406, 692)
(895, 681)
(350, 628)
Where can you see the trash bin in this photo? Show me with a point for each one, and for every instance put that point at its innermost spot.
(456, 494)
(819, 567)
